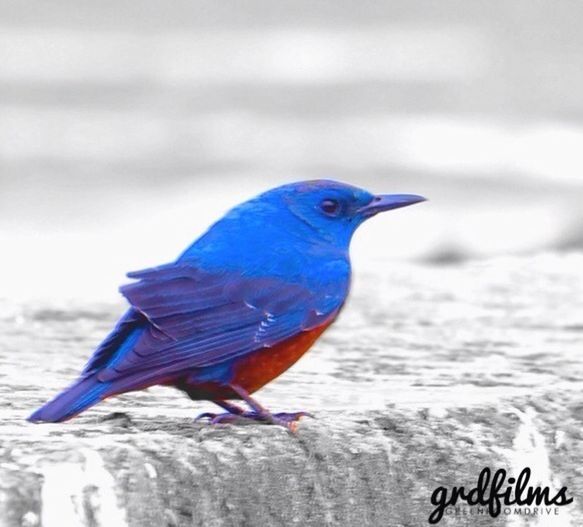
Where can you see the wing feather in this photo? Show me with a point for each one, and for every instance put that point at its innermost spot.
(196, 318)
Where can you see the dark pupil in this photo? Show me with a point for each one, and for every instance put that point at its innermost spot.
(329, 206)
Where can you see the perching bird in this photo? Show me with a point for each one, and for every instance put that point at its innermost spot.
(241, 305)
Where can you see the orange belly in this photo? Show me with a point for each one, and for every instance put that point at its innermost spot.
(258, 368)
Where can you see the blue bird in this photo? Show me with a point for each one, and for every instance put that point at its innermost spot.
(241, 305)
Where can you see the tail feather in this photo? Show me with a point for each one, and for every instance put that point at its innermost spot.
(82, 394)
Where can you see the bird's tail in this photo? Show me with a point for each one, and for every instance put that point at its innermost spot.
(82, 394)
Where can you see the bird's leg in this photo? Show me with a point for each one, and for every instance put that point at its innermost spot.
(232, 410)
(258, 413)
(230, 407)
(253, 404)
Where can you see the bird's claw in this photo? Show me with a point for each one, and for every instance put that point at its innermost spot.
(290, 420)
(292, 417)
(287, 420)
(205, 415)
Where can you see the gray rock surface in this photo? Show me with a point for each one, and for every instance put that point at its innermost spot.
(430, 375)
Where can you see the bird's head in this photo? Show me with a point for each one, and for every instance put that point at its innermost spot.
(307, 215)
(334, 210)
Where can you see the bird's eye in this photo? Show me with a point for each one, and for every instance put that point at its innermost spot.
(331, 207)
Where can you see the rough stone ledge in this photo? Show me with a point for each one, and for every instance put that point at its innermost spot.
(372, 469)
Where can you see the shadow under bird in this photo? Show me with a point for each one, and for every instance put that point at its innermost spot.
(241, 305)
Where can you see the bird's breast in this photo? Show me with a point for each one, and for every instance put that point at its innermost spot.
(262, 366)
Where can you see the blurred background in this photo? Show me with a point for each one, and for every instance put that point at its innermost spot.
(127, 127)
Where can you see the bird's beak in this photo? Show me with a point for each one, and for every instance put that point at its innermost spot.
(384, 202)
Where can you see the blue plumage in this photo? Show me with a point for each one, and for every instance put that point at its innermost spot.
(271, 269)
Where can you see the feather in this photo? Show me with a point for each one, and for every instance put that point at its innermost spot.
(195, 319)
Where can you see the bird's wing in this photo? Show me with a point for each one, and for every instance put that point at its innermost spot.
(132, 321)
(198, 318)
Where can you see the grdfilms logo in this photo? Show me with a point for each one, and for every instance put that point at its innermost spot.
(488, 493)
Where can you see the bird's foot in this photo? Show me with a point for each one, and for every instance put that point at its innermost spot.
(288, 420)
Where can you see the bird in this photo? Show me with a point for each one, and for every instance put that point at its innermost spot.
(237, 308)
